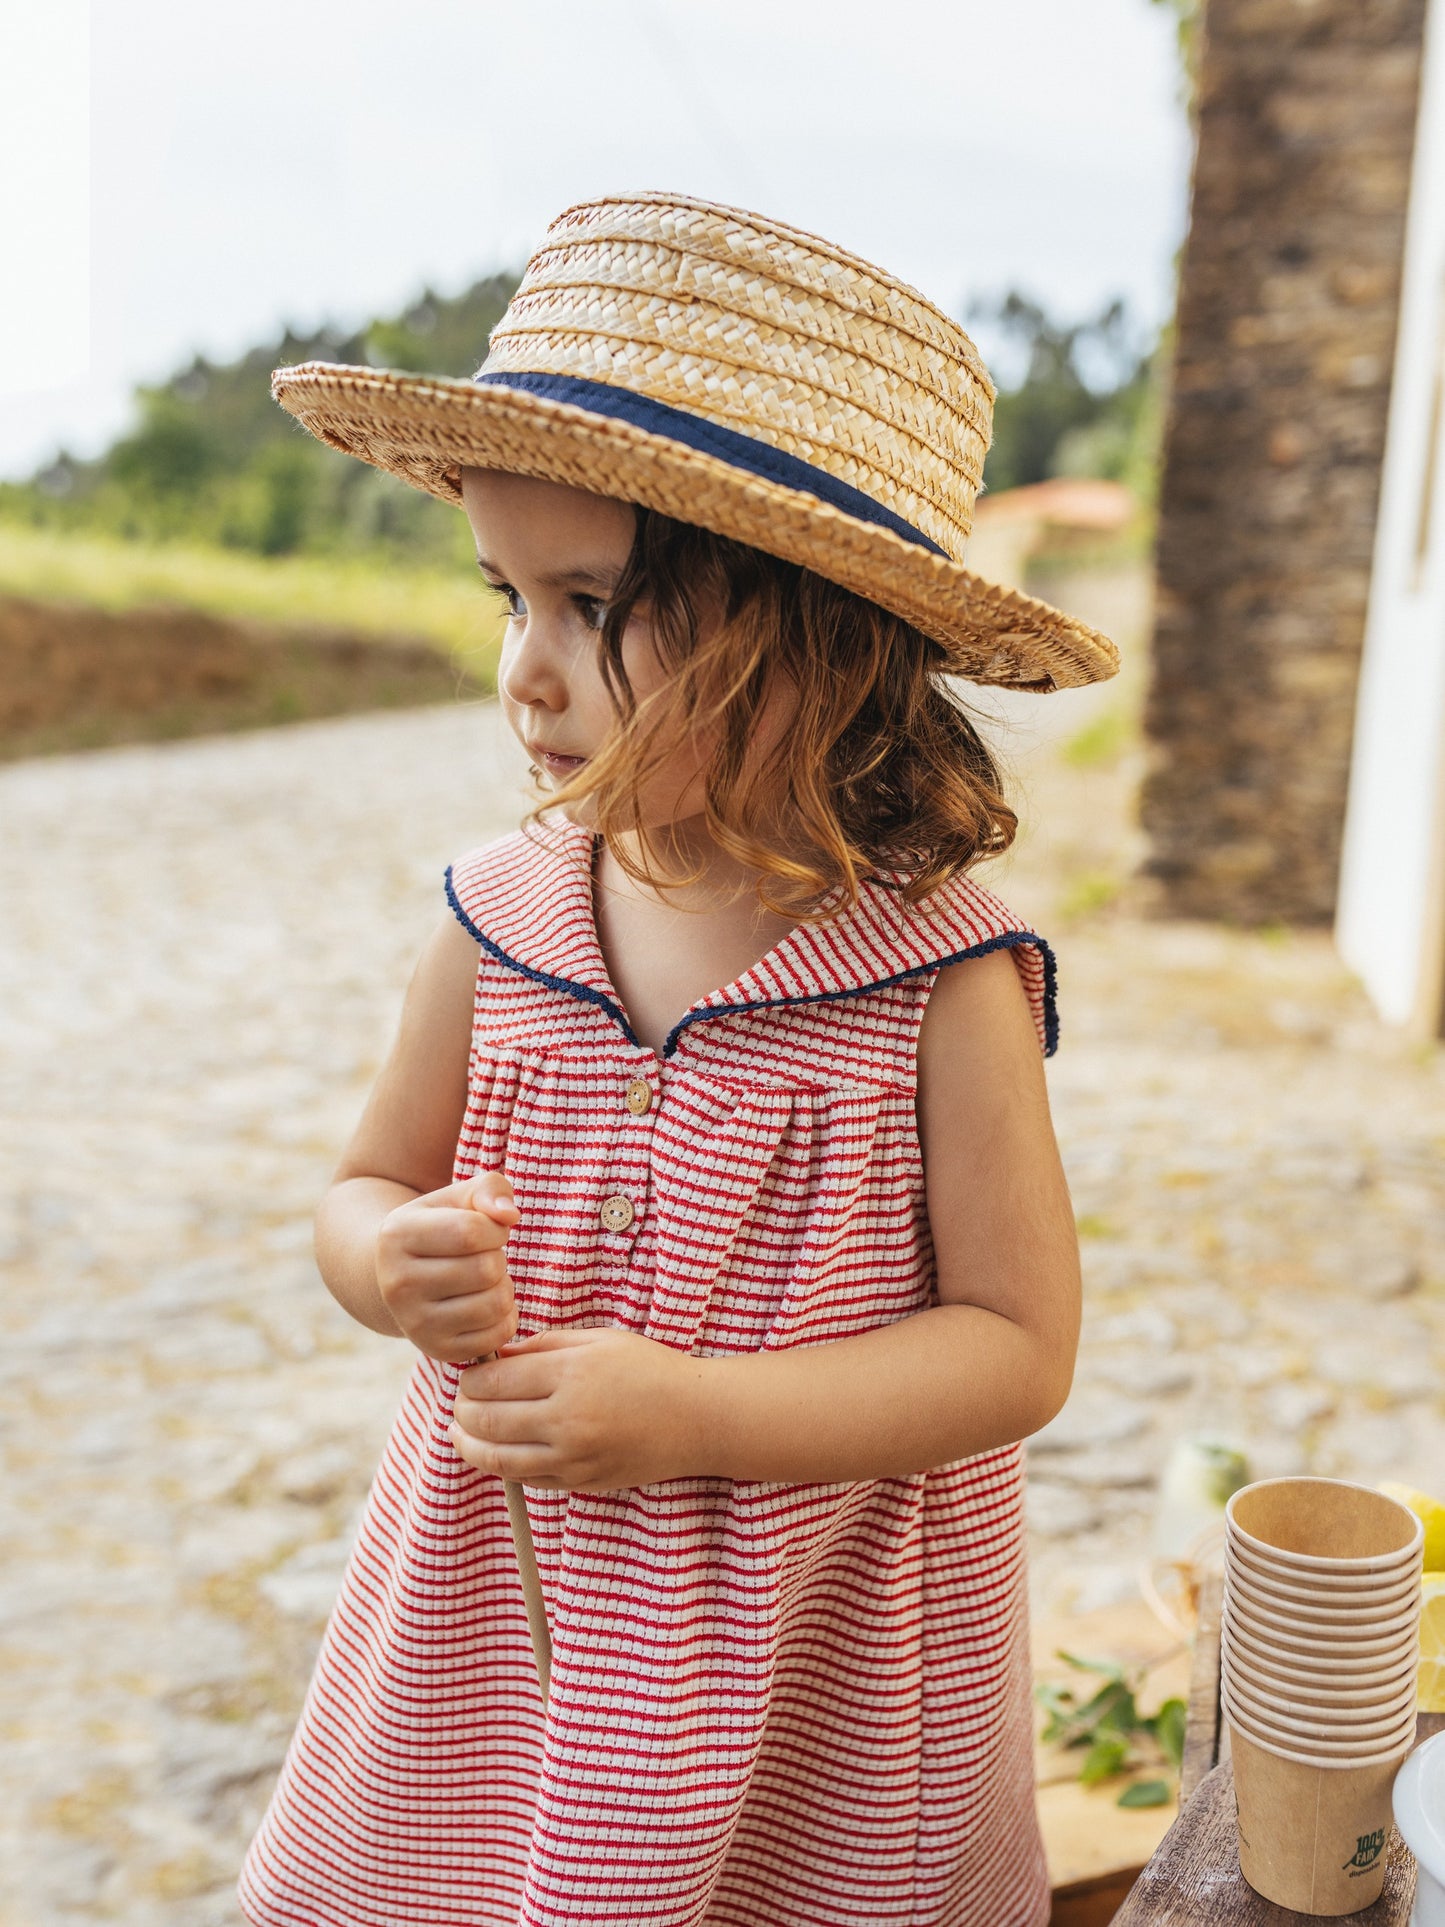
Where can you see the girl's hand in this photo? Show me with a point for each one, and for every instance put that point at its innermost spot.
(580, 1409)
(441, 1272)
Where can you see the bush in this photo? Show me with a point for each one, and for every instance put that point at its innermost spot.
(1085, 402)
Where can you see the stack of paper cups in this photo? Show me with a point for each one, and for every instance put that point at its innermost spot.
(1320, 1647)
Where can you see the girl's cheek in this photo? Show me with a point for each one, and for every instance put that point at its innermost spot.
(679, 789)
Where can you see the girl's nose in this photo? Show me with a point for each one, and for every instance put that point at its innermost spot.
(532, 670)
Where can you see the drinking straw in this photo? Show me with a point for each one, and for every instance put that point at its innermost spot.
(531, 1580)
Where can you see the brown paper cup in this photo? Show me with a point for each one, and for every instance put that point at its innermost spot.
(1324, 1525)
(1311, 1725)
(1326, 1661)
(1343, 1575)
(1320, 1604)
(1342, 1752)
(1329, 1589)
(1343, 1619)
(1382, 1697)
(1313, 1838)
(1310, 1686)
(1350, 1637)
(1345, 1726)
(1369, 1633)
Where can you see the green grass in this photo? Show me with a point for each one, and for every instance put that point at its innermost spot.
(1088, 894)
(449, 611)
(1081, 553)
(1101, 741)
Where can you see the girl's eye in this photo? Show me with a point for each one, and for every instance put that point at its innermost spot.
(594, 608)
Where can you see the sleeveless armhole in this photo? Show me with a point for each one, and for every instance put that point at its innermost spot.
(469, 880)
(984, 922)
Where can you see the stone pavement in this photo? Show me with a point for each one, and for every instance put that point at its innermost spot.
(204, 950)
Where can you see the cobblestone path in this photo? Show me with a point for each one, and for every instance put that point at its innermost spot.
(204, 949)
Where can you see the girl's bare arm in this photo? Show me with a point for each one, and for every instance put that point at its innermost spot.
(404, 1144)
(994, 1360)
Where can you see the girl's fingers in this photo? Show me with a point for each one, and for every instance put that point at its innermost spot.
(510, 1376)
(500, 1421)
(447, 1281)
(448, 1232)
(482, 1317)
(554, 1336)
(483, 1191)
(491, 1191)
(530, 1464)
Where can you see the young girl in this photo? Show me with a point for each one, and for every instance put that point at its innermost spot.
(711, 1174)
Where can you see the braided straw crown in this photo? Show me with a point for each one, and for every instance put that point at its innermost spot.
(744, 376)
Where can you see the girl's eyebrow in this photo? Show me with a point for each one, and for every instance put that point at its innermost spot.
(586, 576)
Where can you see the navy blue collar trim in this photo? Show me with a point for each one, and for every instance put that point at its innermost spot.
(587, 995)
(1007, 941)
(583, 991)
(710, 438)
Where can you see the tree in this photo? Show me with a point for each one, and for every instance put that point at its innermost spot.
(214, 460)
(1084, 401)
(1188, 21)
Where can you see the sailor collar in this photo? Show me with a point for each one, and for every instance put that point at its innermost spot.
(528, 900)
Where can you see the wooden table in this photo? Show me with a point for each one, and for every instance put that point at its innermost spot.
(1194, 1877)
(1097, 1849)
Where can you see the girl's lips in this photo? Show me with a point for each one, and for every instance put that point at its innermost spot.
(559, 765)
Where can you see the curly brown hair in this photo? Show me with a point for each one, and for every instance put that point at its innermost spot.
(879, 768)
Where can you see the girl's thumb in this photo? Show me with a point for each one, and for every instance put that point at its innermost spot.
(492, 1192)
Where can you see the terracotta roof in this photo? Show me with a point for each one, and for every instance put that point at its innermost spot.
(1065, 501)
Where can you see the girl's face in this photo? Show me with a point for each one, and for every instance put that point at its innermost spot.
(557, 553)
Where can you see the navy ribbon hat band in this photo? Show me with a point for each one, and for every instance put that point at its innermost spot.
(739, 451)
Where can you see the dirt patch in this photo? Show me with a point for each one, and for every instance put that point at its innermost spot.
(74, 677)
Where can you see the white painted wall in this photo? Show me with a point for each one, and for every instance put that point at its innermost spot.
(1390, 920)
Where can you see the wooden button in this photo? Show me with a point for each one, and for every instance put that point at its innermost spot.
(617, 1212)
(639, 1096)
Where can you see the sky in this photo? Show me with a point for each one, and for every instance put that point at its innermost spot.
(177, 179)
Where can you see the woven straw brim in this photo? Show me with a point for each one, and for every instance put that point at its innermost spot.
(426, 429)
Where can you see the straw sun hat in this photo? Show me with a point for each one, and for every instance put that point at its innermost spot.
(744, 376)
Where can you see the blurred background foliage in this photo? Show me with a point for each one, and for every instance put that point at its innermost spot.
(213, 464)
(1188, 21)
(1082, 398)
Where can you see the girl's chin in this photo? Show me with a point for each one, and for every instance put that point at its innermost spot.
(579, 812)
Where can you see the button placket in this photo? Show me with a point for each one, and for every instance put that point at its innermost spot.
(621, 1209)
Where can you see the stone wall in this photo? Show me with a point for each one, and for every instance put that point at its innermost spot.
(1274, 439)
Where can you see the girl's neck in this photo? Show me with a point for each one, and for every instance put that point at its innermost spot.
(683, 843)
(665, 953)
(723, 880)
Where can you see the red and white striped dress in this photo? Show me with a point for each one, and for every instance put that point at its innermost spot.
(772, 1704)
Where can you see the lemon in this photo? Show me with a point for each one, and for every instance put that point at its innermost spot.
(1431, 1695)
(1432, 1511)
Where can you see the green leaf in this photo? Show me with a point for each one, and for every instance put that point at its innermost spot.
(1146, 1793)
(1059, 1703)
(1105, 1757)
(1108, 1723)
(1061, 1733)
(1109, 1667)
(1055, 1698)
(1167, 1726)
(1112, 1705)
